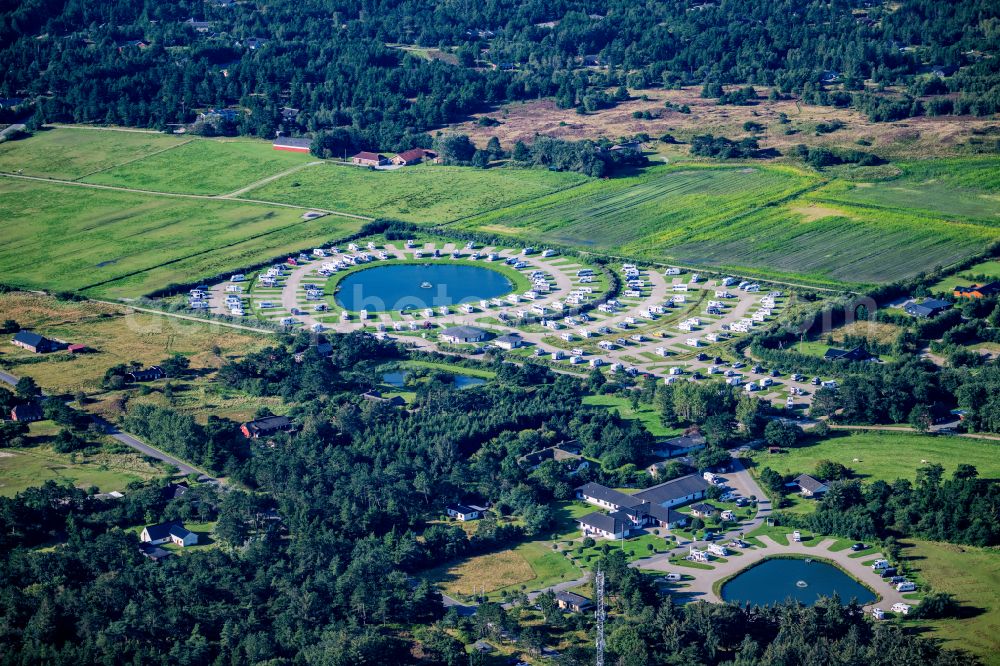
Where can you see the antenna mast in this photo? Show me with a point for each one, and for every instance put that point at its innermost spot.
(600, 618)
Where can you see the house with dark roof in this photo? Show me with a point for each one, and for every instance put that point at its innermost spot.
(292, 144)
(198, 26)
(34, 342)
(627, 148)
(647, 514)
(463, 334)
(607, 498)
(615, 525)
(978, 290)
(464, 512)
(413, 156)
(267, 426)
(149, 374)
(376, 396)
(703, 510)
(808, 486)
(929, 307)
(557, 453)
(573, 602)
(29, 412)
(173, 491)
(680, 446)
(365, 158)
(508, 341)
(678, 491)
(857, 354)
(172, 532)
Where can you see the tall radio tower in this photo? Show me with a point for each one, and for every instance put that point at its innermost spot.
(600, 618)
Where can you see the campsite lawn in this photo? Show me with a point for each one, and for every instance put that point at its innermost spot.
(124, 244)
(33, 465)
(425, 194)
(203, 166)
(972, 575)
(646, 415)
(886, 456)
(71, 153)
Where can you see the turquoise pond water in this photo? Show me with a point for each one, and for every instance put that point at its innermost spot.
(775, 580)
(398, 378)
(420, 286)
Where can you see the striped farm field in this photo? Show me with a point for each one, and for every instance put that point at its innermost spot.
(768, 221)
(664, 203)
(845, 244)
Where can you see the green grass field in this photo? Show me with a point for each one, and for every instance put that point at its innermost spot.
(972, 575)
(120, 244)
(646, 414)
(203, 166)
(767, 220)
(33, 465)
(425, 194)
(991, 269)
(954, 188)
(68, 153)
(887, 456)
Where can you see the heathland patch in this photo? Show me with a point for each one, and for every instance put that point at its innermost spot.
(423, 194)
(114, 334)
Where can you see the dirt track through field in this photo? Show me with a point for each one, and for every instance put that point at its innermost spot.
(265, 181)
(176, 195)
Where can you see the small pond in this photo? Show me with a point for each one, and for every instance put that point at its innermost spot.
(397, 378)
(419, 286)
(775, 580)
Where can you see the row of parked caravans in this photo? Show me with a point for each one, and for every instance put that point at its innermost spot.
(890, 573)
(471, 245)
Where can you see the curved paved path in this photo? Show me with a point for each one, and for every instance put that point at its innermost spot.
(138, 445)
(700, 588)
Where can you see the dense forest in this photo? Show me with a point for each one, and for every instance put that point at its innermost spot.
(323, 533)
(322, 64)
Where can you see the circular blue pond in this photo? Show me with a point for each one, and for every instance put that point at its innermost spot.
(419, 286)
(775, 580)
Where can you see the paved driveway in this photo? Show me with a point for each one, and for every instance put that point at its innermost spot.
(700, 589)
